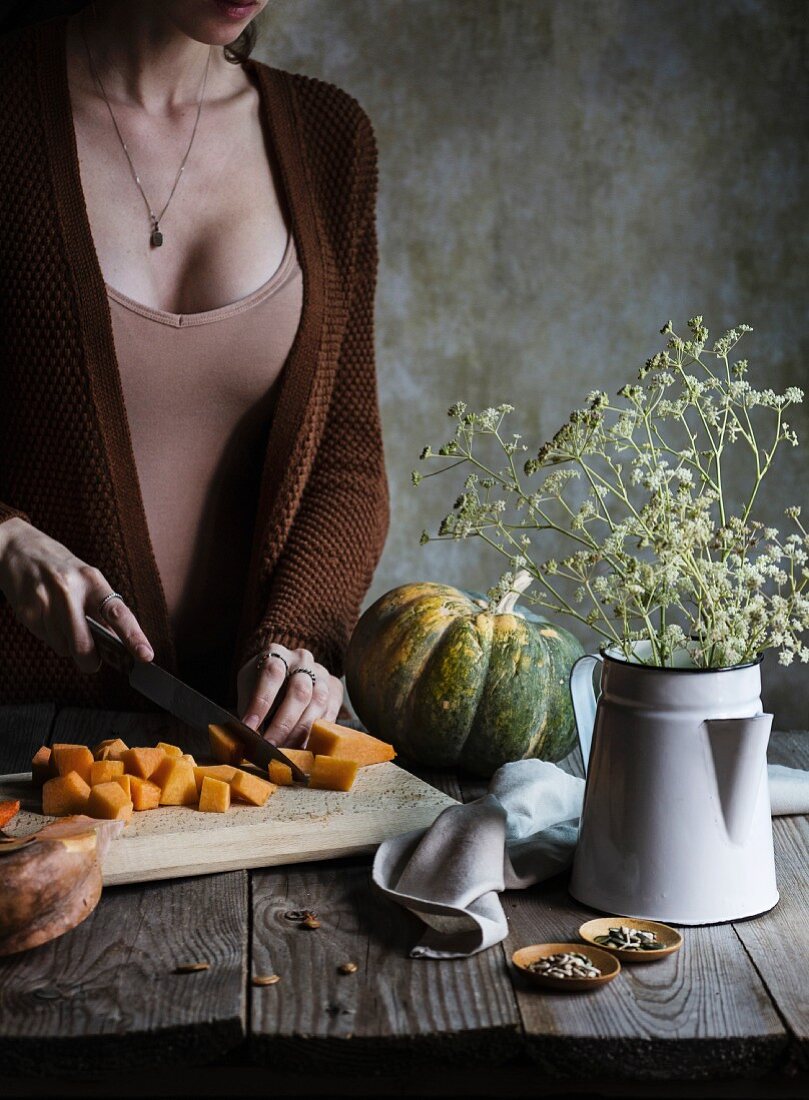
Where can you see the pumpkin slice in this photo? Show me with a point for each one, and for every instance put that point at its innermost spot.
(125, 783)
(73, 758)
(189, 759)
(225, 772)
(109, 801)
(331, 739)
(214, 797)
(332, 773)
(304, 758)
(145, 794)
(176, 780)
(66, 794)
(249, 788)
(8, 811)
(142, 762)
(280, 774)
(169, 750)
(42, 766)
(226, 748)
(111, 749)
(104, 771)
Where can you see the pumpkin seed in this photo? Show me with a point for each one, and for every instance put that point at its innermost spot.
(310, 922)
(191, 968)
(266, 979)
(348, 968)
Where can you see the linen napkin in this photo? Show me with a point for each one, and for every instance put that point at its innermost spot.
(522, 831)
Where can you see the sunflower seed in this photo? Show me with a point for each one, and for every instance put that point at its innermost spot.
(266, 979)
(191, 968)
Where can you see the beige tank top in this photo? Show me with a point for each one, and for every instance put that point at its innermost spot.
(200, 390)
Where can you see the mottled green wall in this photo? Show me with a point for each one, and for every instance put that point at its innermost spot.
(557, 179)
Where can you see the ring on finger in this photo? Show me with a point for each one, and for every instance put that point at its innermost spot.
(307, 672)
(105, 601)
(264, 657)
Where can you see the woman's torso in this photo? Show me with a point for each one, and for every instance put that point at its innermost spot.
(202, 328)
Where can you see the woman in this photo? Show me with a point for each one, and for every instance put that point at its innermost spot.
(190, 442)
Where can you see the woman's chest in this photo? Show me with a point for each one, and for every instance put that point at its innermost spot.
(222, 224)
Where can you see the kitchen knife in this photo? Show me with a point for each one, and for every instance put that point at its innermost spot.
(184, 702)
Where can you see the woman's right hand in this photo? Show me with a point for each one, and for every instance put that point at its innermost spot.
(50, 590)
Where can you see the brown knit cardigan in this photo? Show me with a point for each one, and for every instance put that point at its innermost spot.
(66, 458)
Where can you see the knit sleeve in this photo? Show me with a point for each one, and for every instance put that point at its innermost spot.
(7, 512)
(339, 531)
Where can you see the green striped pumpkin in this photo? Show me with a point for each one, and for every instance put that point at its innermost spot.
(455, 682)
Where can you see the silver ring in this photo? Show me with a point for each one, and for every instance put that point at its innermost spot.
(308, 672)
(264, 657)
(111, 596)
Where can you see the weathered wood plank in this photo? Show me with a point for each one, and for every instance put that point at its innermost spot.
(777, 941)
(23, 729)
(701, 1013)
(104, 994)
(104, 997)
(393, 1009)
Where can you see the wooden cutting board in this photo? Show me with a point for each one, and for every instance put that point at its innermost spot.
(293, 826)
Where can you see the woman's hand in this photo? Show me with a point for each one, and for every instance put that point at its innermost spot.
(50, 590)
(304, 700)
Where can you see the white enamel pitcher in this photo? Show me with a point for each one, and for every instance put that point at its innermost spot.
(676, 821)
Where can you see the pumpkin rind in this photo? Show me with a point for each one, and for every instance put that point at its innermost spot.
(453, 683)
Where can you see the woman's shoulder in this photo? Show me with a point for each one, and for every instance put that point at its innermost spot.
(326, 111)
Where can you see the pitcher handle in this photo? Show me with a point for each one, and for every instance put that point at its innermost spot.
(583, 695)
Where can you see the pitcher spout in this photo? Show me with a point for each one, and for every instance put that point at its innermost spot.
(739, 752)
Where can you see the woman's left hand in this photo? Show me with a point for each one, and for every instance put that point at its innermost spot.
(305, 699)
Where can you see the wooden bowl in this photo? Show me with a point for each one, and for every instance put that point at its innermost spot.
(606, 962)
(664, 933)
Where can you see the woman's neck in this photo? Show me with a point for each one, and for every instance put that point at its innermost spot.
(143, 58)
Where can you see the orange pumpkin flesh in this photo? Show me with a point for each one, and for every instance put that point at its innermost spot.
(331, 739)
(331, 773)
(66, 794)
(73, 758)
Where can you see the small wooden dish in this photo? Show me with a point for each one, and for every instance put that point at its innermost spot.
(607, 964)
(664, 933)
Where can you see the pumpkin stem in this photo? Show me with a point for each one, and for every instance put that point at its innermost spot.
(521, 582)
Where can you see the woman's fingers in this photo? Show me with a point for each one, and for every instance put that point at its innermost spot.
(327, 694)
(265, 688)
(122, 621)
(284, 729)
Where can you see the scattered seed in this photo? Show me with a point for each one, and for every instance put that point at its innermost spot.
(191, 968)
(296, 915)
(630, 939)
(266, 979)
(348, 968)
(310, 922)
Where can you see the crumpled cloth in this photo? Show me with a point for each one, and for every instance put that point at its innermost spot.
(522, 831)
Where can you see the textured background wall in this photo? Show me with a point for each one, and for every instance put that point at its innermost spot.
(558, 178)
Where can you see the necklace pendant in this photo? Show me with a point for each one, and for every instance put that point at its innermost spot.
(156, 238)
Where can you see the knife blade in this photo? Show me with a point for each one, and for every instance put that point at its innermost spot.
(184, 702)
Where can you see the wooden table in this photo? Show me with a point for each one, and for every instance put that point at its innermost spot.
(100, 1011)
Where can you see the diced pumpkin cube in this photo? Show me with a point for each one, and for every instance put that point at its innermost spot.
(214, 797)
(251, 789)
(43, 767)
(304, 758)
(125, 783)
(111, 749)
(72, 758)
(176, 780)
(109, 801)
(145, 794)
(169, 750)
(104, 771)
(189, 759)
(280, 774)
(226, 748)
(331, 739)
(225, 772)
(332, 773)
(143, 762)
(66, 794)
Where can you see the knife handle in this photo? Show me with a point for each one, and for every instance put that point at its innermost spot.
(110, 647)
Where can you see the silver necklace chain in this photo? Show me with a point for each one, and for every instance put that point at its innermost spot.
(155, 235)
